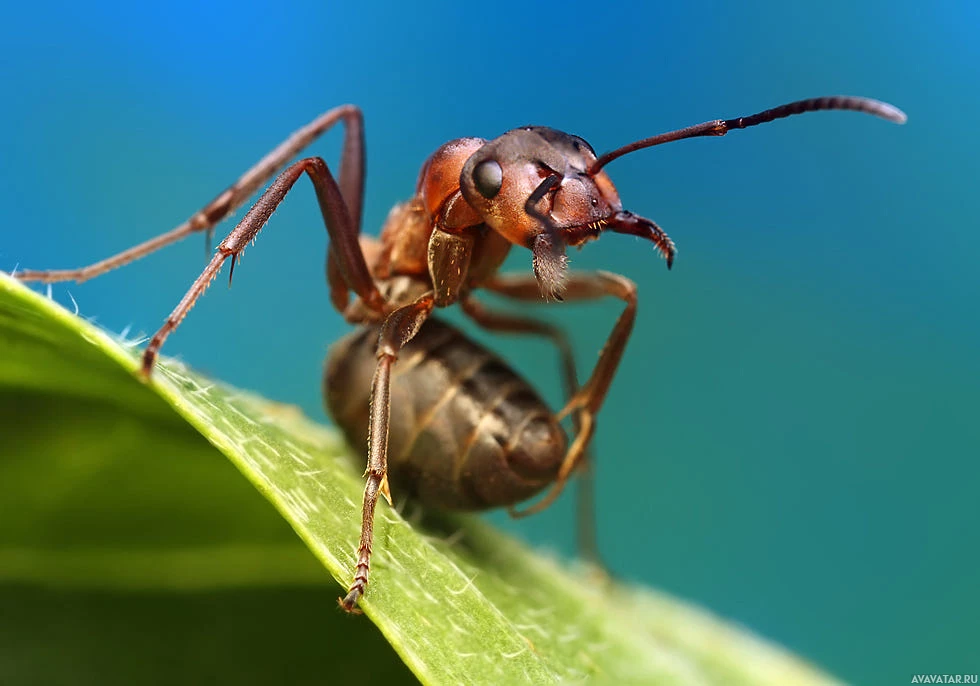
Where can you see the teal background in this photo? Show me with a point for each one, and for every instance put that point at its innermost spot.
(792, 440)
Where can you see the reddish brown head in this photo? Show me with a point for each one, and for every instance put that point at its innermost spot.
(535, 186)
(546, 190)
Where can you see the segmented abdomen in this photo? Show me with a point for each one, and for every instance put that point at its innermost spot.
(467, 432)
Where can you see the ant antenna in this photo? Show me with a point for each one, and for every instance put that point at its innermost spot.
(719, 127)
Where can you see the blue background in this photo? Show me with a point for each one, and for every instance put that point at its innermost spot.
(792, 440)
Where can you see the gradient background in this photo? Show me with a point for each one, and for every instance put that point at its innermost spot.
(793, 438)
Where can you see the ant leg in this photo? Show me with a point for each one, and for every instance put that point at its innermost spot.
(507, 323)
(343, 238)
(589, 398)
(398, 329)
(351, 188)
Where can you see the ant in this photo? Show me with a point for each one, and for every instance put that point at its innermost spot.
(468, 432)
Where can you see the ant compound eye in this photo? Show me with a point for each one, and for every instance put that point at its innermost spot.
(488, 177)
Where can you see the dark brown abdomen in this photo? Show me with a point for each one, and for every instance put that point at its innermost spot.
(466, 433)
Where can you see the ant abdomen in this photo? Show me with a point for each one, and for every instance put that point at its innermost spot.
(466, 431)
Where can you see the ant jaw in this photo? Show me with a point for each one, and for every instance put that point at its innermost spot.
(577, 236)
(635, 225)
(548, 248)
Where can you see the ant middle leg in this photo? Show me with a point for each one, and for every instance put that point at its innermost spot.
(398, 329)
(226, 202)
(343, 233)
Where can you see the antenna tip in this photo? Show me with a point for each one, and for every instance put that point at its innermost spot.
(890, 112)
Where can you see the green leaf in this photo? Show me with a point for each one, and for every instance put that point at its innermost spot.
(113, 505)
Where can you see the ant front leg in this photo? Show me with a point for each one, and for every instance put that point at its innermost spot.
(399, 328)
(340, 227)
(351, 187)
(507, 323)
(587, 401)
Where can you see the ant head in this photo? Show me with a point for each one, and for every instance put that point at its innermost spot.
(540, 188)
(545, 189)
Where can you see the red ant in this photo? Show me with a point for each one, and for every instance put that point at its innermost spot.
(534, 186)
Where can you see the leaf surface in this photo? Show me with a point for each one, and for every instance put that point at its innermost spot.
(112, 486)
